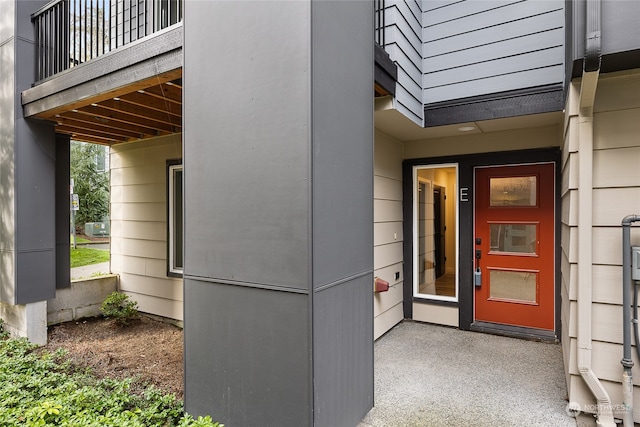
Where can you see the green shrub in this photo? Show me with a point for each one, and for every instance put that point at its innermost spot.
(119, 307)
(4, 334)
(45, 389)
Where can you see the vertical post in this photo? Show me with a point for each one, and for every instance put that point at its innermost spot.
(279, 318)
(73, 225)
(27, 166)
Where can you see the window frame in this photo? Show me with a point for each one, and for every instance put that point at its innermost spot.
(174, 166)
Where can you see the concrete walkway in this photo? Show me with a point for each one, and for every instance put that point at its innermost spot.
(428, 375)
(89, 270)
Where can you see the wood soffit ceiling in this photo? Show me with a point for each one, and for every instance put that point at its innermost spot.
(144, 110)
(147, 109)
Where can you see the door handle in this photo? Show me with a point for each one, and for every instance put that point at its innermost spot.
(477, 275)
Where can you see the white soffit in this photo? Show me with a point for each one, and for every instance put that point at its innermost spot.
(395, 124)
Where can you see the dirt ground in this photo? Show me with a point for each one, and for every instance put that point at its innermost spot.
(148, 350)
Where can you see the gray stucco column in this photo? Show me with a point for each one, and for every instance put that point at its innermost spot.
(278, 166)
(27, 177)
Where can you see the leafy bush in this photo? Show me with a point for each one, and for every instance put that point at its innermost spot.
(3, 332)
(119, 307)
(44, 389)
(91, 185)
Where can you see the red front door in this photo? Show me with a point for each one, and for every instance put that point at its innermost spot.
(514, 245)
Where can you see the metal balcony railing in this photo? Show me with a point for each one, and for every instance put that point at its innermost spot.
(379, 22)
(70, 32)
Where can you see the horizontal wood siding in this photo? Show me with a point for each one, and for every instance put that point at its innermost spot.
(403, 43)
(475, 48)
(616, 194)
(139, 224)
(387, 231)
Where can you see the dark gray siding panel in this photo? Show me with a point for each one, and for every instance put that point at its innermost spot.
(343, 328)
(35, 211)
(63, 247)
(261, 333)
(29, 176)
(247, 145)
(278, 162)
(620, 36)
(342, 129)
(620, 26)
(477, 48)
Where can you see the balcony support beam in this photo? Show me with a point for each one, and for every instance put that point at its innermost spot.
(147, 62)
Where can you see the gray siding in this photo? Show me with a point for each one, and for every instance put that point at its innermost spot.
(620, 31)
(63, 246)
(27, 170)
(477, 48)
(621, 26)
(342, 212)
(257, 196)
(403, 43)
(247, 355)
(278, 212)
(343, 331)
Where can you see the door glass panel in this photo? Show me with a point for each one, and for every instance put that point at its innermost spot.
(513, 191)
(513, 285)
(435, 233)
(519, 238)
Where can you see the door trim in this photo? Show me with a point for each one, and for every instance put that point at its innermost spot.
(466, 165)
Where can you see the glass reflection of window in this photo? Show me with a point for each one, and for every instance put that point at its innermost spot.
(435, 229)
(519, 238)
(513, 191)
(514, 286)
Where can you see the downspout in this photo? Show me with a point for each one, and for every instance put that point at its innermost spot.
(590, 73)
(627, 361)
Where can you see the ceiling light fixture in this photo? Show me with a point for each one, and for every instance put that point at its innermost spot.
(466, 128)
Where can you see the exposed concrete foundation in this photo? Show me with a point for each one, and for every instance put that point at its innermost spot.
(28, 320)
(82, 299)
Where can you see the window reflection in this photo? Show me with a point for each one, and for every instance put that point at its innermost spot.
(513, 191)
(520, 238)
(515, 286)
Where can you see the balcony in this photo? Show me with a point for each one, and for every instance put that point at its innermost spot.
(109, 71)
(386, 71)
(71, 32)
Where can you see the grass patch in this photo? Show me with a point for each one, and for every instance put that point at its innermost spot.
(79, 240)
(45, 389)
(87, 256)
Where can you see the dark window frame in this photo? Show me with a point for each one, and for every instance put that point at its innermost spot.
(174, 165)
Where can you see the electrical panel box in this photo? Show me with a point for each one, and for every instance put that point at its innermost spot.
(635, 263)
(97, 229)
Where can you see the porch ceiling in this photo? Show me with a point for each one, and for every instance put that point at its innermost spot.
(145, 109)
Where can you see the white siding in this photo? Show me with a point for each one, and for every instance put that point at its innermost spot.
(139, 224)
(387, 231)
(616, 194)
